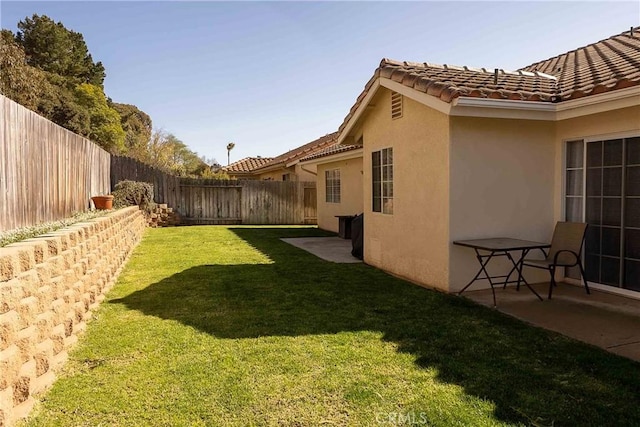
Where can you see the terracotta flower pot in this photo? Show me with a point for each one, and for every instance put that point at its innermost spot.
(103, 202)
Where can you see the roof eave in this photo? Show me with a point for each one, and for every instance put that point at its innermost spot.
(238, 172)
(489, 107)
(502, 108)
(418, 96)
(593, 104)
(345, 155)
(269, 168)
(537, 110)
(345, 137)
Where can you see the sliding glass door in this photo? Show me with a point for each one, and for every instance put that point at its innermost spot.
(602, 187)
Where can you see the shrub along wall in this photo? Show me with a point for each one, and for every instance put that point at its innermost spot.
(48, 287)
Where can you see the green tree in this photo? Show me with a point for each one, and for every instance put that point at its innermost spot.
(19, 81)
(137, 126)
(157, 152)
(183, 161)
(209, 173)
(48, 68)
(165, 151)
(62, 107)
(41, 91)
(105, 127)
(51, 47)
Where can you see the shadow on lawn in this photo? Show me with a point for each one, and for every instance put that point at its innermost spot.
(525, 371)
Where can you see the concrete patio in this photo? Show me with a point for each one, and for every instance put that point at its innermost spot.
(332, 249)
(609, 321)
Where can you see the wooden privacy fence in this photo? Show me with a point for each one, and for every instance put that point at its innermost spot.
(46, 172)
(247, 202)
(165, 186)
(206, 201)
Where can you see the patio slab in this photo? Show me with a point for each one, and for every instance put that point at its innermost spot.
(332, 249)
(609, 321)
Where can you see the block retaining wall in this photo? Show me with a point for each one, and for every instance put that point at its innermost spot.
(48, 287)
(163, 216)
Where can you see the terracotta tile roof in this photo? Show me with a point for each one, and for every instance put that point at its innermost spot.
(607, 65)
(448, 82)
(247, 164)
(333, 149)
(604, 66)
(303, 151)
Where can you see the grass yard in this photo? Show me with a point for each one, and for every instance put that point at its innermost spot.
(231, 326)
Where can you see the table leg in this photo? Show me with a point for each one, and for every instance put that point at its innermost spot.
(514, 268)
(479, 258)
(521, 278)
(482, 270)
(486, 273)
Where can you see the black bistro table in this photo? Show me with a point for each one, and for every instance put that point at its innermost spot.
(486, 249)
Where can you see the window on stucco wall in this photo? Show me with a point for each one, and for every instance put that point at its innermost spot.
(574, 189)
(332, 185)
(382, 173)
(574, 176)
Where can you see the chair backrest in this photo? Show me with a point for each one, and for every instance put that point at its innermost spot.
(567, 236)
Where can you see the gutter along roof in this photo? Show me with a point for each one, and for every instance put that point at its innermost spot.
(330, 151)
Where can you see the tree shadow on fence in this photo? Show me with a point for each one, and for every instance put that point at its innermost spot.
(524, 371)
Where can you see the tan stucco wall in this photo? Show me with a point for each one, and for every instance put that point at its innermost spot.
(296, 171)
(350, 193)
(464, 178)
(276, 175)
(413, 241)
(502, 185)
(306, 174)
(241, 176)
(607, 125)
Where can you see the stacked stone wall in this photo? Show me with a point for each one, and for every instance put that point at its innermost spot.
(163, 216)
(48, 287)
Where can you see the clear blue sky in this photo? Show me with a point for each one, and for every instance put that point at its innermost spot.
(271, 76)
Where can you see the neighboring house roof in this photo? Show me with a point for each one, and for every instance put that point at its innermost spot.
(607, 65)
(247, 164)
(330, 151)
(293, 156)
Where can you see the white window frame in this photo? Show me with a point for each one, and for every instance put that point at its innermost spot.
(383, 186)
(585, 140)
(332, 185)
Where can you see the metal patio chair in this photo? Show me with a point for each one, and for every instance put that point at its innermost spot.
(565, 251)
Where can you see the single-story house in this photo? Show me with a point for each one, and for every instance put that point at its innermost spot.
(455, 153)
(287, 167)
(339, 183)
(243, 169)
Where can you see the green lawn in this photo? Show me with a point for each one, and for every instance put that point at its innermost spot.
(231, 326)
